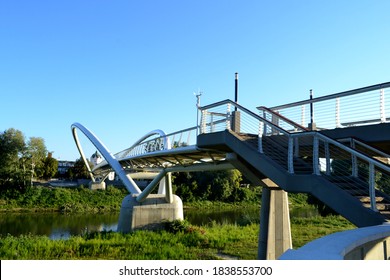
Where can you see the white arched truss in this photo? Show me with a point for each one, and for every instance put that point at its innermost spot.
(130, 185)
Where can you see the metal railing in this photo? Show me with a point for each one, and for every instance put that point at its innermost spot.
(181, 138)
(367, 105)
(280, 120)
(366, 149)
(312, 150)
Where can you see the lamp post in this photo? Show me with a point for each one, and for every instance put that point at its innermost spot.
(236, 89)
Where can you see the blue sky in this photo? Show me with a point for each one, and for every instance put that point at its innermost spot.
(124, 68)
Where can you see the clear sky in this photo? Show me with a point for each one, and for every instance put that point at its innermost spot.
(124, 68)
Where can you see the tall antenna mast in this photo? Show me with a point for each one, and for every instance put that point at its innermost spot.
(197, 95)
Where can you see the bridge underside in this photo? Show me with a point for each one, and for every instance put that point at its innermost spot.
(186, 159)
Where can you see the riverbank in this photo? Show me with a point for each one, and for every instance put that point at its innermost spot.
(82, 200)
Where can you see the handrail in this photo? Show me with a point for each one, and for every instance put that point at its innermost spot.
(333, 96)
(366, 105)
(228, 101)
(350, 150)
(354, 140)
(287, 120)
(167, 143)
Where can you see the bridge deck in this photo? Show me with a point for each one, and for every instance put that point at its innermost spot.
(184, 158)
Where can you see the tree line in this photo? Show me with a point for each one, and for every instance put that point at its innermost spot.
(24, 160)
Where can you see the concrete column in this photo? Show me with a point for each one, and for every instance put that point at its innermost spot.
(275, 231)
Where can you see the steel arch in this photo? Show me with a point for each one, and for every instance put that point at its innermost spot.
(130, 185)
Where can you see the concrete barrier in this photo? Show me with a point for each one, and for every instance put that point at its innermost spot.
(367, 243)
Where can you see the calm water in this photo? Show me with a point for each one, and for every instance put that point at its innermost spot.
(57, 225)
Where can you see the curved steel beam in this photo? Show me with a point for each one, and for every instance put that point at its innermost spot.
(130, 185)
(162, 134)
(166, 142)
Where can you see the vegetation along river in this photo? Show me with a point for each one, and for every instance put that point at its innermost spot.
(59, 225)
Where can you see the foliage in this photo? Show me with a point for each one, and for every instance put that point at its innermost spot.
(12, 146)
(21, 161)
(50, 167)
(79, 170)
(63, 199)
(222, 185)
(36, 153)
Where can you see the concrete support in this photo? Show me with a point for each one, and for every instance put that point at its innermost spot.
(97, 186)
(275, 231)
(148, 214)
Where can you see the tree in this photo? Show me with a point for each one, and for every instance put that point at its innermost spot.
(50, 167)
(209, 185)
(20, 162)
(36, 153)
(79, 170)
(12, 147)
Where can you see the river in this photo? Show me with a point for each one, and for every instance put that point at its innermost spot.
(62, 226)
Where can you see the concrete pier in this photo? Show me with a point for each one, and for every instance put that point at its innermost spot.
(97, 186)
(275, 232)
(149, 214)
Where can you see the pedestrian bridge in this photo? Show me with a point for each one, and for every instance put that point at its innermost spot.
(335, 147)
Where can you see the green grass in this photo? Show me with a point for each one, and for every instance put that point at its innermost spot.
(304, 230)
(180, 241)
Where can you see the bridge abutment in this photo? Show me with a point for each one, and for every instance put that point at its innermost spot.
(148, 214)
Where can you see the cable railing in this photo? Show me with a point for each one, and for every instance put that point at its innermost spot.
(181, 138)
(150, 143)
(280, 120)
(310, 151)
(368, 105)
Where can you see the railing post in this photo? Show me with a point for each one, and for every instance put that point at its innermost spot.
(355, 169)
(228, 117)
(203, 119)
(275, 121)
(371, 182)
(327, 158)
(265, 124)
(316, 145)
(290, 156)
(382, 106)
(303, 120)
(260, 137)
(338, 112)
(296, 147)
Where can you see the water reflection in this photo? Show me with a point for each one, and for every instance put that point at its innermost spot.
(240, 217)
(55, 225)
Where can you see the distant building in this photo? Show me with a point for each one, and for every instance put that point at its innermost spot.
(96, 158)
(64, 165)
